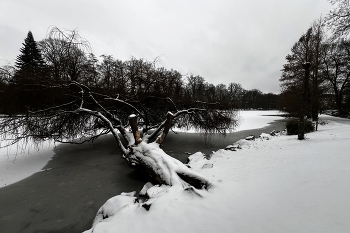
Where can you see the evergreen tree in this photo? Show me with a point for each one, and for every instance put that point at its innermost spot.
(30, 71)
(29, 63)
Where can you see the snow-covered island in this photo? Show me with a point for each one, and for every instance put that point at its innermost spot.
(270, 184)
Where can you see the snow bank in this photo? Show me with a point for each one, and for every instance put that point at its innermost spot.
(18, 162)
(270, 184)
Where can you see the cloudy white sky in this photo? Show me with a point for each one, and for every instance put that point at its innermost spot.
(242, 41)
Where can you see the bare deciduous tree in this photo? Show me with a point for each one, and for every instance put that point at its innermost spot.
(64, 52)
(338, 19)
(337, 70)
(307, 49)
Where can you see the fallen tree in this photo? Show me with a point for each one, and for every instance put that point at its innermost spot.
(139, 106)
(139, 126)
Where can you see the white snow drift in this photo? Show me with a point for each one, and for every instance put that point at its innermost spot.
(271, 184)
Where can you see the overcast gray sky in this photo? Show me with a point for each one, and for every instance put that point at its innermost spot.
(224, 41)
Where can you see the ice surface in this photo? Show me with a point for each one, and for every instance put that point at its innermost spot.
(18, 162)
(256, 119)
(251, 119)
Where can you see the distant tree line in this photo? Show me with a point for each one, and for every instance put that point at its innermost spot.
(57, 60)
(316, 76)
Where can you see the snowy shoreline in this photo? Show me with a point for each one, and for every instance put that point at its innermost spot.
(272, 184)
(67, 197)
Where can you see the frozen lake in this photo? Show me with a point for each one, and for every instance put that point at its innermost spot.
(18, 162)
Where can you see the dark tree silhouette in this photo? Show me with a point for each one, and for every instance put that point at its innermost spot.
(307, 49)
(337, 71)
(29, 63)
(30, 71)
(339, 18)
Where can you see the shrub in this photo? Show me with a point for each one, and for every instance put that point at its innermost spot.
(293, 125)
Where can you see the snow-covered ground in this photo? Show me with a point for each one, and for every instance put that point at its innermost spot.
(272, 184)
(17, 163)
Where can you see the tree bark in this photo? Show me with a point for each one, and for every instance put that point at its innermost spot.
(305, 102)
(167, 126)
(134, 128)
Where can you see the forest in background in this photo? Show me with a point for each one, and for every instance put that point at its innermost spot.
(316, 76)
(31, 84)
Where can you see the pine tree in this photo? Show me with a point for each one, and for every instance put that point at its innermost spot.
(29, 63)
(30, 74)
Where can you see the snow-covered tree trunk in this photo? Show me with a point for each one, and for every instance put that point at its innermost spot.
(159, 166)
